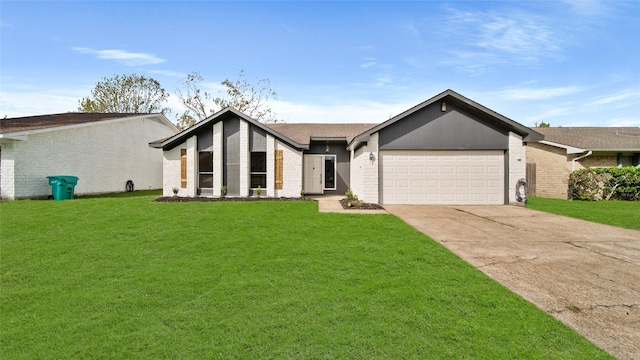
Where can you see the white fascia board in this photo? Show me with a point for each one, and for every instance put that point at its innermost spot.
(617, 150)
(14, 136)
(569, 149)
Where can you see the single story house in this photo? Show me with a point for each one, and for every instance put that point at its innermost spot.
(566, 149)
(103, 150)
(446, 150)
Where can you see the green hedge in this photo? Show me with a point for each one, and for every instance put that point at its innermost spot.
(611, 183)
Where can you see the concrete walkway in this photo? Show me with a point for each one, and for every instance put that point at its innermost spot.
(586, 275)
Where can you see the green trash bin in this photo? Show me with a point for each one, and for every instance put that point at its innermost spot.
(62, 186)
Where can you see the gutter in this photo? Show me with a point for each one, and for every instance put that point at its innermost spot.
(573, 161)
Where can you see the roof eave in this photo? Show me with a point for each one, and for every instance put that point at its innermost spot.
(570, 149)
(181, 136)
(23, 134)
(527, 134)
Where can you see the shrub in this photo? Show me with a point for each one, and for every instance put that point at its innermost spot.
(618, 183)
(350, 195)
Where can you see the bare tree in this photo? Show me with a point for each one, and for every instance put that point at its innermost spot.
(128, 93)
(240, 94)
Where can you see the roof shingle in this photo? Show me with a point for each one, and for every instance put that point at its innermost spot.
(594, 138)
(302, 133)
(27, 123)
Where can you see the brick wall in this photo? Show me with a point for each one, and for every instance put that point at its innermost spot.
(597, 161)
(102, 155)
(291, 171)
(7, 176)
(171, 171)
(552, 170)
(364, 172)
(517, 164)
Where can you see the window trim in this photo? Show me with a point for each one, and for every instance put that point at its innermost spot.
(335, 171)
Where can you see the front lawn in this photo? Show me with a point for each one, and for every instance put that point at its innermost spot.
(127, 278)
(625, 214)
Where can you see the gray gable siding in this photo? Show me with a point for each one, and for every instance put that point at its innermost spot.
(257, 139)
(454, 129)
(205, 139)
(231, 156)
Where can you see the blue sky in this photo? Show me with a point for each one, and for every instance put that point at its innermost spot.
(567, 63)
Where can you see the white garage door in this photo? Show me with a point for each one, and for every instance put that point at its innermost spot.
(442, 177)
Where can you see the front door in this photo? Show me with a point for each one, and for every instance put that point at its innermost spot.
(313, 174)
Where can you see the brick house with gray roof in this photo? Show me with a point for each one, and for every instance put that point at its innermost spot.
(103, 150)
(566, 149)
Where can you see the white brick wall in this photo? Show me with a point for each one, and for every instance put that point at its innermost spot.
(171, 172)
(103, 155)
(517, 163)
(364, 172)
(271, 147)
(291, 171)
(7, 185)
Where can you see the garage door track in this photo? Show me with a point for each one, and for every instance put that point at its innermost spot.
(586, 275)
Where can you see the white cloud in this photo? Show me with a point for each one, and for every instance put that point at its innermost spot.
(167, 73)
(368, 62)
(628, 94)
(356, 112)
(624, 122)
(523, 36)
(558, 111)
(18, 104)
(499, 37)
(538, 94)
(586, 7)
(122, 56)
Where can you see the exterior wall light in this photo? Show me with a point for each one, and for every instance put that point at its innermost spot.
(371, 157)
(443, 106)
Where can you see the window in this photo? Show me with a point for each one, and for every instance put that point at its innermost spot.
(205, 169)
(330, 172)
(258, 169)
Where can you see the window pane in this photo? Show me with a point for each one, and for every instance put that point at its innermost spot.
(206, 181)
(206, 161)
(258, 162)
(329, 172)
(258, 180)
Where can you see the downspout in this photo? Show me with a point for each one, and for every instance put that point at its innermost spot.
(573, 161)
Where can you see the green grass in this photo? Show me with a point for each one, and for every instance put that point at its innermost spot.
(126, 278)
(625, 214)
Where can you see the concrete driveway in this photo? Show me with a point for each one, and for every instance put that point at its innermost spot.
(584, 274)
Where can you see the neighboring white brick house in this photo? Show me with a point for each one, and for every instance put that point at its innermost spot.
(480, 156)
(102, 150)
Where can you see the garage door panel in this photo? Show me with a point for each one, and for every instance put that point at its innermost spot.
(442, 177)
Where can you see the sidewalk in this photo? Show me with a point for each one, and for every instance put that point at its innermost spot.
(331, 204)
